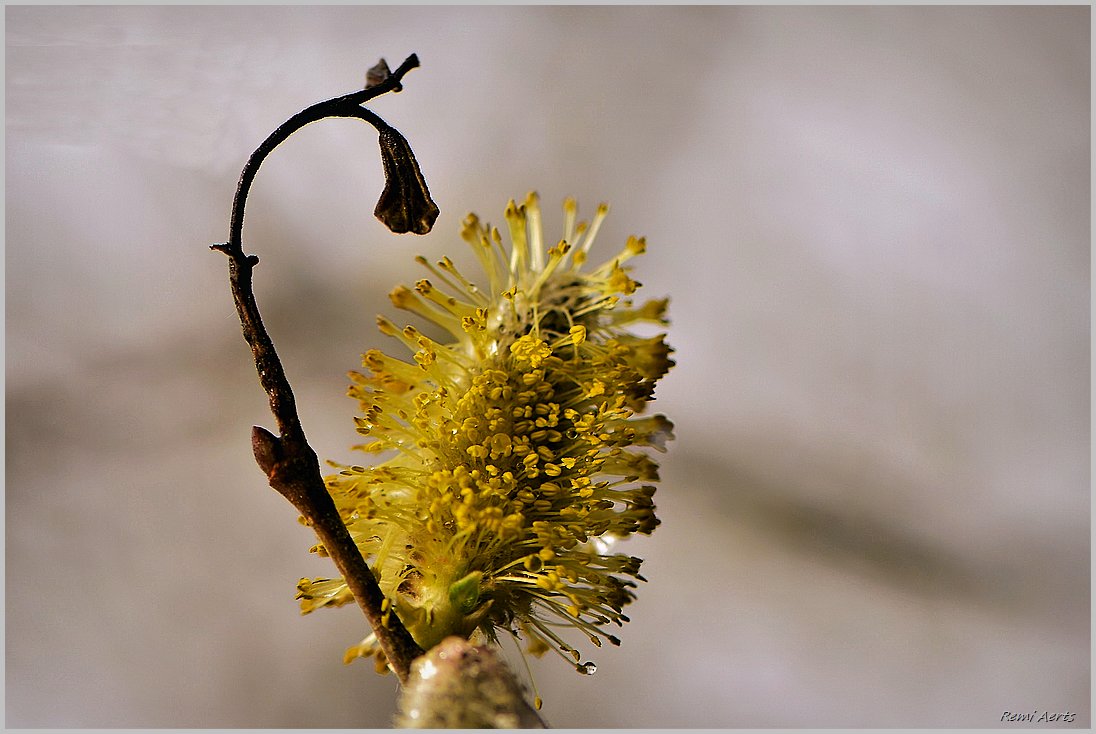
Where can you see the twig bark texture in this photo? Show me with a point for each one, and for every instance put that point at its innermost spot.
(290, 464)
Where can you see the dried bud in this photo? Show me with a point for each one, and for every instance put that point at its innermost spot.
(405, 204)
(377, 74)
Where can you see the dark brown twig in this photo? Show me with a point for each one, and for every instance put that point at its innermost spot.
(290, 464)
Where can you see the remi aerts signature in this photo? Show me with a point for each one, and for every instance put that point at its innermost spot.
(1037, 717)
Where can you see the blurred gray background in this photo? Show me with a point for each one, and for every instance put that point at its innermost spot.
(874, 227)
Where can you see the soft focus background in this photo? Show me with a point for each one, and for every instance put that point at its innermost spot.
(874, 226)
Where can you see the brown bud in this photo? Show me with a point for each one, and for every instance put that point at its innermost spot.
(377, 74)
(266, 447)
(405, 204)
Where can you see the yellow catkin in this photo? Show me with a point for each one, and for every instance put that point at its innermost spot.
(517, 447)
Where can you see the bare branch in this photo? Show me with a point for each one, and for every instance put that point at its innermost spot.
(290, 464)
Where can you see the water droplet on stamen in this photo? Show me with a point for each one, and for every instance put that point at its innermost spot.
(586, 668)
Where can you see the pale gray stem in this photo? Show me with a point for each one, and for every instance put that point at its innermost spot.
(458, 685)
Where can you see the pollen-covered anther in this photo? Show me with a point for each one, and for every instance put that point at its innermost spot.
(551, 490)
(619, 282)
(501, 446)
(559, 250)
(475, 323)
(401, 297)
(386, 327)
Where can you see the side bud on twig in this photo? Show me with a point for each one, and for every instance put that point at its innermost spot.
(266, 447)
